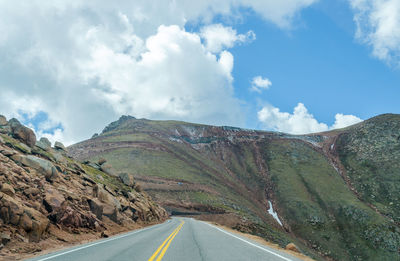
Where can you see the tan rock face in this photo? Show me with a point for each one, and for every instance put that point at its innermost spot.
(7, 189)
(43, 189)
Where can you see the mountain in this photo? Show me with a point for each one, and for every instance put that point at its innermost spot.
(335, 194)
(48, 200)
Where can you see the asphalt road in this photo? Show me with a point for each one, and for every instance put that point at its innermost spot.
(178, 239)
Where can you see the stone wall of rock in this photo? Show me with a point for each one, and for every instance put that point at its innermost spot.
(41, 185)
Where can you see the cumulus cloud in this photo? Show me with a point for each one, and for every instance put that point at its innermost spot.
(259, 83)
(84, 63)
(378, 25)
(342, 121)
(218, 37)
(300, 121)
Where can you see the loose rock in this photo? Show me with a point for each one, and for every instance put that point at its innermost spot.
(5, 238)
(44, 144)
(43, 166)
(292, 247)
(3, 120)
(52, 199)
(22, 133)
(127, 179)
(7, 189)
(58, 145)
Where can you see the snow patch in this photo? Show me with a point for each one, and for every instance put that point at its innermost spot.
(273, 213)
(175, 140)
(332, 146)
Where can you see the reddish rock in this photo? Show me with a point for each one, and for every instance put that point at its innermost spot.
(52, 199)
(22, 133)
(25, 222)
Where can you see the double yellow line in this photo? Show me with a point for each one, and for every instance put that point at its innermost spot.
(164, 246)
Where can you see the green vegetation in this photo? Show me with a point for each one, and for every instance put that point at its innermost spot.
(102, 178)
(241, 170)
(322, 209)
(371, 156)
(13, 143)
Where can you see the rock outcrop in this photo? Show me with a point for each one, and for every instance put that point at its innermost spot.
(22, 133)
(43, 191)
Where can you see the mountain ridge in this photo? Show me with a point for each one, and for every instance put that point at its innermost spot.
(312, 180)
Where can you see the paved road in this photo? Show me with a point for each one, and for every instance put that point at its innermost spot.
(178, 239)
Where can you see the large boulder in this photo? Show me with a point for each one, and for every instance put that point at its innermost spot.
(7, 189)
(43, 166)
(127, 179)
(22, 133)
(105, 197)
(15, 213)
(44, 144)
(96, 207)
(53, 199)
(25, 222)
(111, 212)
(10, 209)
(40, 224)
(5, 238)
(3, 120)
(59, 146)
(292, 247)
(6, 129)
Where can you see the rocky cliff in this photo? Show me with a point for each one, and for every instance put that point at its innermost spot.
(47, 199)
(334, 194)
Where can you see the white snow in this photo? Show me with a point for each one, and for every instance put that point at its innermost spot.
(273, 213)
(332, 146)
(176, 140)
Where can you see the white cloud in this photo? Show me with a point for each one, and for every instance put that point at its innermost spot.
(342, 121)
(218, 37)
(84, 63)
(175, 77)
(259, 83)
(378, 25)
(300, 121)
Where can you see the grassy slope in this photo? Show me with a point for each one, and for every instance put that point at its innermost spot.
(371, 156)
(311, 196)
(321, 207)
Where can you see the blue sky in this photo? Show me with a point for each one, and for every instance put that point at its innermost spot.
(70, 68)
(318, 63)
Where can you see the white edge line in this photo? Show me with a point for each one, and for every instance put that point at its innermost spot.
(254, 245)
(98, 243)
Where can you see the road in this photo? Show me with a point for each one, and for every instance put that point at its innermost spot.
(178, 239)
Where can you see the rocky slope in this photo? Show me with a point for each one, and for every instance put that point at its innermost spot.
(335, 194)
(47, 199)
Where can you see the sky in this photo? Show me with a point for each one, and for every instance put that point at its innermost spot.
(69, 68)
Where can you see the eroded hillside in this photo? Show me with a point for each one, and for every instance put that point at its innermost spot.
(335, 193)
(49, 200)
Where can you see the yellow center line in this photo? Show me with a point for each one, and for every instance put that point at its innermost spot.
(166, 243)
